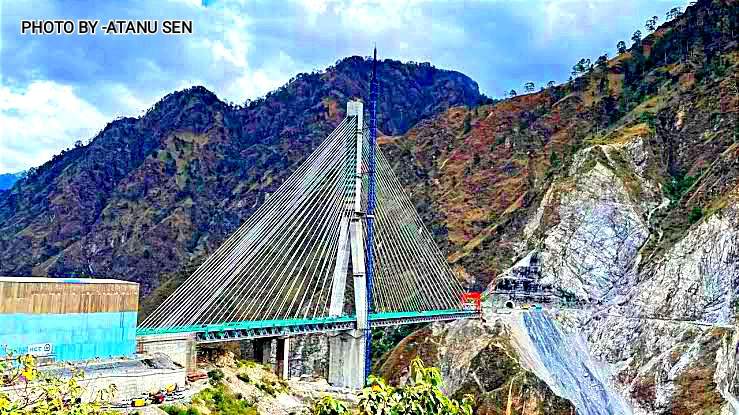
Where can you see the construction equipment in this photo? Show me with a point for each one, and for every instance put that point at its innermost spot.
(138, 402)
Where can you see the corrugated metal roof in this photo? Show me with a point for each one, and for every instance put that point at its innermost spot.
(63, 280)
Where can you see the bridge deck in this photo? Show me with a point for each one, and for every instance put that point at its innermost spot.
(270, 328)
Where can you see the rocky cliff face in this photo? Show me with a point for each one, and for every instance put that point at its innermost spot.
(624, 183)
(647, 140)
(150, 195)
(482, 359)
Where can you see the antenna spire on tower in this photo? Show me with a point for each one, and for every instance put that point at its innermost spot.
(374, 64)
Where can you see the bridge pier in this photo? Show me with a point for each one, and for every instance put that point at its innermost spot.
(283, 357)
(346, 359)
(274, 353)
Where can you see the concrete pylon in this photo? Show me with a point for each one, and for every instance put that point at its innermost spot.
(347, 349)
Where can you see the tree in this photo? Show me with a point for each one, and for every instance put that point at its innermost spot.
(674, 13)
(695, 215)
(602, 61)
(621, 46)
(651, 23)
(529, 87)
(550, 84)
(28, 391)
(582, 66)
(636, 37)
(421, 396)
(467, 125)
(512, 93)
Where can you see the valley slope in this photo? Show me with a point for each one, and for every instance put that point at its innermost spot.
(623, 182)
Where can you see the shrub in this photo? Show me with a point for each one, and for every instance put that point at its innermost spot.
(40, 393)
(648, 118)
(179, 410)
(220, 400)
(329, 406)
(676, 187)
(422, 396)
(215, 376)
(695, 215)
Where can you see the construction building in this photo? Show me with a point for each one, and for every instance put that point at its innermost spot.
(68, 319)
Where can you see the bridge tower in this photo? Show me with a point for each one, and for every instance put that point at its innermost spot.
(285, 271)
(347, 349)
(350, 351)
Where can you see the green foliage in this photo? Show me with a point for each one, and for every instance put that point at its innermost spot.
(677, 186)
(651, 24)
(269, 384)
(648, 118)
(28, 391)
(673, 13)
(222, 401)
(179, 410)
(631, 96)
(554, 164)
(695, 215)
(581, 67)
(554, 160)
(272, 386)
(467, 123)
(621, 46)
(386, 339)
(422, 396)
(215, 376)
(329, 406)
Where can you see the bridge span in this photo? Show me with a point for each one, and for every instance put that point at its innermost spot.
(338, 248)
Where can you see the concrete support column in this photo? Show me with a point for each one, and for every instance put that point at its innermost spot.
(283, 357)
(346, 359)
(270, 354)
(258, 350)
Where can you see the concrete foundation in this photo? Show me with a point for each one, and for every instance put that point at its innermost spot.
(179, 347)
(346, 359)
(132, 377)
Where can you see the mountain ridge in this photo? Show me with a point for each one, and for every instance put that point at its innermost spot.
(148, 194)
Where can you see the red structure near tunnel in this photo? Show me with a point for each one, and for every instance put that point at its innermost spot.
(472, 301)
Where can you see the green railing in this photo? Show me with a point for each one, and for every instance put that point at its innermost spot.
(266, 324)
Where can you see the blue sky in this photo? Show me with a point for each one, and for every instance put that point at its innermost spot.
(55, 90)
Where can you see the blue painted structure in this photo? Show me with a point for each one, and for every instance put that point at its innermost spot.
(371, 201)
(73, 336)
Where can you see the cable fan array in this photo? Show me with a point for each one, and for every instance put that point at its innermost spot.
(279, 264)
(411, 274)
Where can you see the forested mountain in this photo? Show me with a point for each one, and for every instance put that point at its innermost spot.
(149, 195)
(621, 185)
(620, 191)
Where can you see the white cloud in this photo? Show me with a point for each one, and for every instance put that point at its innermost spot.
(41, 119)
(243, 50)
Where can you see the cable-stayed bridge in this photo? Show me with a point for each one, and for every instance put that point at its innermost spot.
(339, 247)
